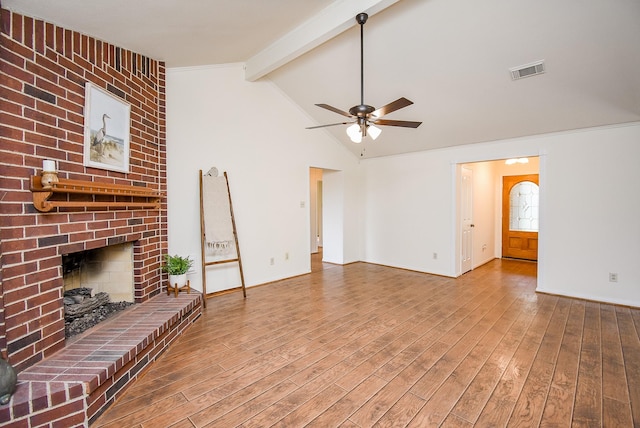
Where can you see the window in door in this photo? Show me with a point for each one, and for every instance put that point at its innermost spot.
(524, 207)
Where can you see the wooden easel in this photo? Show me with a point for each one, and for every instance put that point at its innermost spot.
(205, 264)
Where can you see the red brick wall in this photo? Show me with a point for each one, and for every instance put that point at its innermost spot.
(42, 84)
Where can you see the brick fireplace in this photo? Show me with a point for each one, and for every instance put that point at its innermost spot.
(46, 70)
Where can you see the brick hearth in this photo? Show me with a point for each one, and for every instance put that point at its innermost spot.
(74, 386)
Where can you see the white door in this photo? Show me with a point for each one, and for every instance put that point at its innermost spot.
(466, 211)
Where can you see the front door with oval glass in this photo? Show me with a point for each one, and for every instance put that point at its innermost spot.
(520, 218)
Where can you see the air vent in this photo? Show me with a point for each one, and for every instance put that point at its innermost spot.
(527, 70)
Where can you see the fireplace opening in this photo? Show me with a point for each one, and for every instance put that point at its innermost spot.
(98, 283)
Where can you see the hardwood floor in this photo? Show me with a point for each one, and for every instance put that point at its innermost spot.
(365, 345)
(316, 261)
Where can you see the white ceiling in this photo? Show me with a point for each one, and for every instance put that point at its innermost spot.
(450, 57)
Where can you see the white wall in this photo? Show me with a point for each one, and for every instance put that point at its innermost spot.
(397, 210)
(588, 224)
(252, 131)
(589, 211)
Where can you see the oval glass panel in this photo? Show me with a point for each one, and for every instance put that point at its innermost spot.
(524, 207)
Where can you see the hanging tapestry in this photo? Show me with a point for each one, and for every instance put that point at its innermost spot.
(218, 227)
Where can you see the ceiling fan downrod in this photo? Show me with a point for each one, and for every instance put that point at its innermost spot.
(362, 110)
(361, 19)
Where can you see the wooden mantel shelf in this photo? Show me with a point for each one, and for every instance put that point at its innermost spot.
(140, 197)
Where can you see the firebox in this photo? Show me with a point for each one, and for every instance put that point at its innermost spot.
(106, 269)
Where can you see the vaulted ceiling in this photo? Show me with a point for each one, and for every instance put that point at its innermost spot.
(450, 57)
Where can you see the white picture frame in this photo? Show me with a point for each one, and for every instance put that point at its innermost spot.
(107, 120)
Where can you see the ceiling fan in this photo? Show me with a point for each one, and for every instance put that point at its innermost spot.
(366, 116)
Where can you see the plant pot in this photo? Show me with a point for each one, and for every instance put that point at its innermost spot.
(181, 280)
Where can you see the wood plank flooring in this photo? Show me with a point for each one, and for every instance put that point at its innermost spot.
(365, 345)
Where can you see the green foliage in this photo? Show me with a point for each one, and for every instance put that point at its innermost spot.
(176, 265)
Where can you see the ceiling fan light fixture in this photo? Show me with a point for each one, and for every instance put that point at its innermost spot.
(355, 133)
(374, 131)
(516, 160)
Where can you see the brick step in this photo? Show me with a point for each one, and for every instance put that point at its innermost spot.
(75, 385)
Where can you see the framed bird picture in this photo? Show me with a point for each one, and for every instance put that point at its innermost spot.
(106, 130)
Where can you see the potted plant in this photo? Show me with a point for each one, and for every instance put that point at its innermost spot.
(177, 267)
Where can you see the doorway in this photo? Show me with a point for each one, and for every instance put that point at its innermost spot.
(315, 209)
(481, 206)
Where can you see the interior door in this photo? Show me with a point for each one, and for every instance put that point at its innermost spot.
(466, 195)
(520, 216)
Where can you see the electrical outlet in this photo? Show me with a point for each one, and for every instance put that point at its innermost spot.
(286, 256)
(272, 261)
(435, 256)
(613, 277)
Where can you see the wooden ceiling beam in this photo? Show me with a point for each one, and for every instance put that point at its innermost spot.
(331, 21)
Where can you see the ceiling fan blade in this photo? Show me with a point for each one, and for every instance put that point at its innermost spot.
(331, 124)
(335, 110)
(393, 106)
(403, 123)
